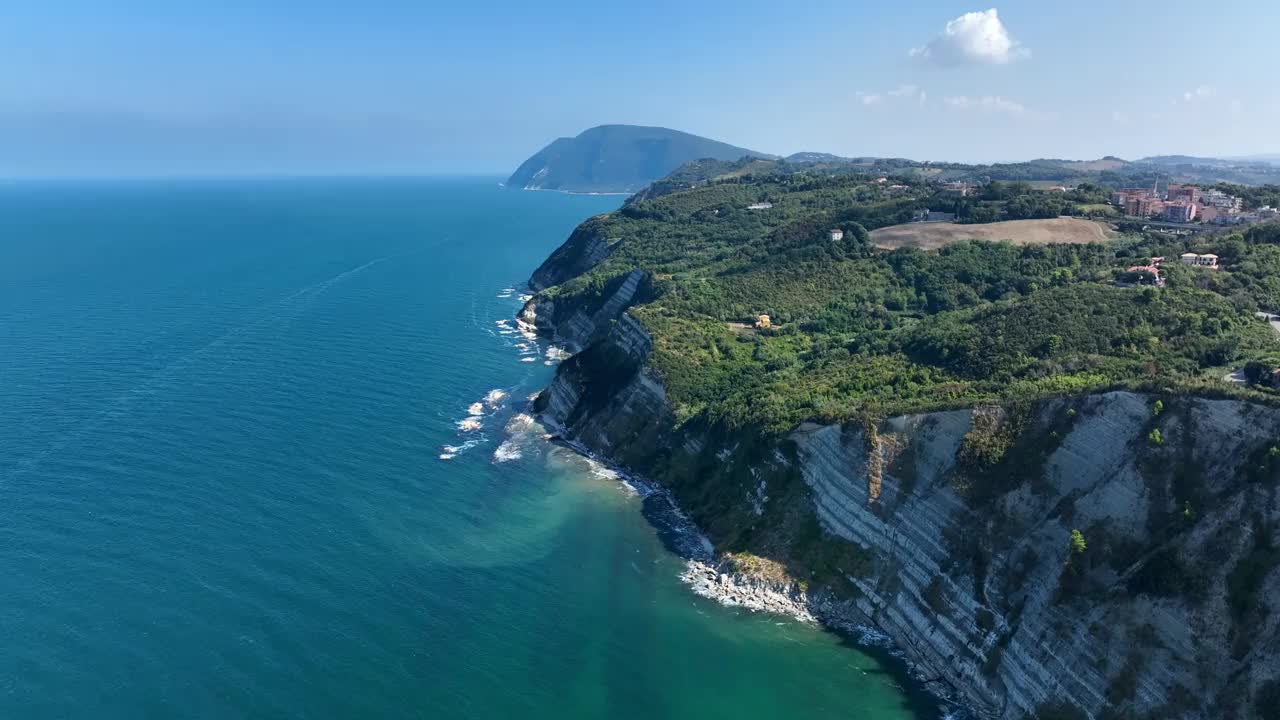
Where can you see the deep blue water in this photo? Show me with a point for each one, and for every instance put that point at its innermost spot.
(223, 406)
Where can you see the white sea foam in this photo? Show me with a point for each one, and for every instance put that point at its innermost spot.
(475, 409)
(507, 452)
(522, 423)
(470, 424)
(602, 471)
(523, 431)
(502, 323)
(525, 298)
(528, 359)
(449, 452)
(530, 332)
(556, 354)
(495, 397)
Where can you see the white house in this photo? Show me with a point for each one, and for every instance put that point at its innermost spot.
(837, 234)
(1206, 260)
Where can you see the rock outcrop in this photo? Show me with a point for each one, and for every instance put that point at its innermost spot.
(577, 321)
(584, 249)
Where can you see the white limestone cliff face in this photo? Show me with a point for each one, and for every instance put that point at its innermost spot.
(1036, 646)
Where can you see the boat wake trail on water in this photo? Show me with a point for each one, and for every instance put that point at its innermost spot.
(119, 408)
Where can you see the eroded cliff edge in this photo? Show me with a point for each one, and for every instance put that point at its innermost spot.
(952, 531)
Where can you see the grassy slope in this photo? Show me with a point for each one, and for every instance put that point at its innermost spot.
(930, 236)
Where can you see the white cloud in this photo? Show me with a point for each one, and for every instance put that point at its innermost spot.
(909, 92)
(986, 103)
(902, 93)
(1204, 92)
(975, 38)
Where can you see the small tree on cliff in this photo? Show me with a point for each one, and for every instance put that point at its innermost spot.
(1078, 545)
(1071, 583)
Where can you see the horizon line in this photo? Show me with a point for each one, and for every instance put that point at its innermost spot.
(334, 175)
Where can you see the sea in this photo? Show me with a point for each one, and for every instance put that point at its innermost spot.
(263, 454)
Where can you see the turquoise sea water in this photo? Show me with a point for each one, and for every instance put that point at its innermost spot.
(223, 407)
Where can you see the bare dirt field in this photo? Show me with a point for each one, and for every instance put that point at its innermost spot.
(929, 236)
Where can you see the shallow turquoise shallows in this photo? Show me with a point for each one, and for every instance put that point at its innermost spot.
(225, 408)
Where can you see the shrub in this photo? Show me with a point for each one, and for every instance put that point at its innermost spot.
(1078, 545)
(933, 595)
(985, 620)
(1163, 575)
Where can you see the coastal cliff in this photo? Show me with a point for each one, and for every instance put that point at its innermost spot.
(1029, 478)
(951, 532)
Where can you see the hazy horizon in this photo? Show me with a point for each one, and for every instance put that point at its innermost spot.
(146, 89)
(498, 175)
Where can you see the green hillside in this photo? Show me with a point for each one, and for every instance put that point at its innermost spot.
(856, 329)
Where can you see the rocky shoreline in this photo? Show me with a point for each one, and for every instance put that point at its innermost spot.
(714, 577)
(722, 584)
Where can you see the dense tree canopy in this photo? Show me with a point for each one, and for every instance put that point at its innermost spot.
(859, 330)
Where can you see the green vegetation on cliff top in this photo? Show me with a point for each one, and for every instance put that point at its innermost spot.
(861, 331)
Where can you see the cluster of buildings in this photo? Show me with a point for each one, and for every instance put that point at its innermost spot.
(1145, 274)
(1188, 203)
(893, 188)
(1151, 274)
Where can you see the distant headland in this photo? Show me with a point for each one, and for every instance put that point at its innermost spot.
(617, 159)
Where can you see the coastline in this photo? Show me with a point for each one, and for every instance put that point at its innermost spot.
(504, 186)
(712, 576)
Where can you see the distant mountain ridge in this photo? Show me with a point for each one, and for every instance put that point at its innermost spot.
(653, 161)
(618, 159)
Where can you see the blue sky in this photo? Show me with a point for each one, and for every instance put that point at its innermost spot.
(137, 87)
